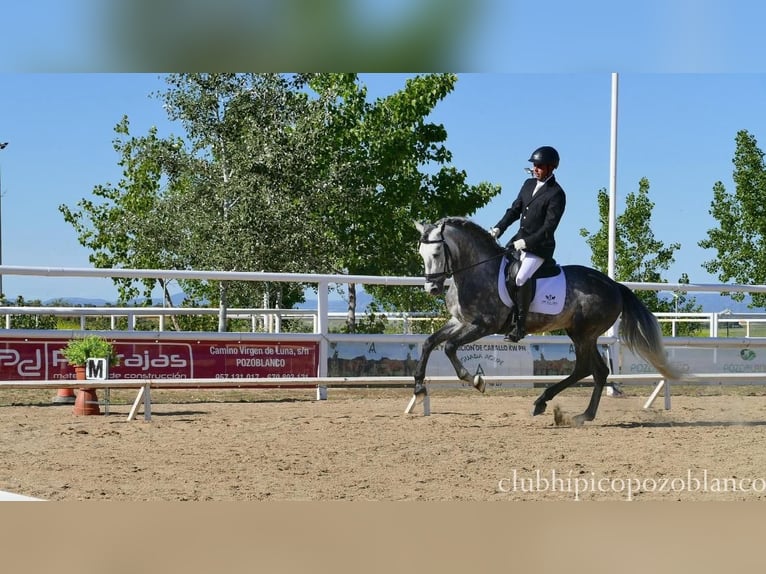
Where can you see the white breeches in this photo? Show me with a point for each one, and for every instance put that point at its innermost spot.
(529, 264)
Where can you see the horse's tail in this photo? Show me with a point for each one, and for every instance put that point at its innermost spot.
(641, 332)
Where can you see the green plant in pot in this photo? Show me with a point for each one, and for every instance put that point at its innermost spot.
(78, 350)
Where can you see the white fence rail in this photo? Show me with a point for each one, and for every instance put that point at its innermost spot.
(263, 320)
(321, 317)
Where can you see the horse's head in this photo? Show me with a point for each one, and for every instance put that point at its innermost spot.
(435, 253)
(453, 245)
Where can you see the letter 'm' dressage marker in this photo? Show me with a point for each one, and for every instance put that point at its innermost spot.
(96, 369)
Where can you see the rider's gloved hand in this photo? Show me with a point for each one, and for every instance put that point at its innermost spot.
(519, 245)
(494, 232)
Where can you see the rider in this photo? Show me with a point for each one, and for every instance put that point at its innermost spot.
(539, 206)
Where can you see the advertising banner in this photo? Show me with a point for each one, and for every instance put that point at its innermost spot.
(489, 357)
(743, 359)
(41, 359)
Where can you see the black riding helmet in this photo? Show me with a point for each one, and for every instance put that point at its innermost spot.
(545, 155)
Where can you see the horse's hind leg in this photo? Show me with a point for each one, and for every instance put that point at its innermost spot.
(578, 373)
(584, 346)
(600, 374)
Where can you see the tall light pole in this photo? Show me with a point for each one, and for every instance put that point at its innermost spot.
(613, 182)
(612, 229)
(2, 295)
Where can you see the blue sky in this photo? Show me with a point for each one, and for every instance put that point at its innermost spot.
(677, 130)
(691, 74)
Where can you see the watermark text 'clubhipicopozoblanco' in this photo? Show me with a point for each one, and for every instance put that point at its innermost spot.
(577, 484)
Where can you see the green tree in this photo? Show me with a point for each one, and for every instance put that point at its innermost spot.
(248, 174)
(213, 199)
(385, 166)
(121, 224)
(638, 255)
(740, 238)
(293, 173)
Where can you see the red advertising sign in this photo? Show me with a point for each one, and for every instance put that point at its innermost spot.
(41, 359)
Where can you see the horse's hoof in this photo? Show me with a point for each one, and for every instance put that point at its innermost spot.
(478, 383)
(578, 420)
(539, 409)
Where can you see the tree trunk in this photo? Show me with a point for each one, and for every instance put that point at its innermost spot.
(351, 317)
(169, 302)
(222, 306)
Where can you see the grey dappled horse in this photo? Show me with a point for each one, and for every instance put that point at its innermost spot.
(459, 248)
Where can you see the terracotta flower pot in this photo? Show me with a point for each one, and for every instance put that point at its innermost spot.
(67, 396)
(86, 402)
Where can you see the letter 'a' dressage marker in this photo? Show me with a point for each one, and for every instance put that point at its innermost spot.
(426, 404)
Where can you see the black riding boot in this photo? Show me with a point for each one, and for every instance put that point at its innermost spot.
(523, 299)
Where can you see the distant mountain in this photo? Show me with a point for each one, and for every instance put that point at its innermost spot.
(177, 300)
(716, 303)
(338, 305)
(77, 302)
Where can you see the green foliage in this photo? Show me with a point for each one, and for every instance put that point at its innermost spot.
(740, 238)
(383, 165)
(25, 321)
(373, 322)
(639, 256)
(78, 350)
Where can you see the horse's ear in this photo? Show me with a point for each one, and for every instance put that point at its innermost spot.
(419, 226)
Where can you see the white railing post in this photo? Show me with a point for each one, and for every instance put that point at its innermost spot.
(323, 323)
(714, 324)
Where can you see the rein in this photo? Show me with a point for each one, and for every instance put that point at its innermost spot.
(448, 272)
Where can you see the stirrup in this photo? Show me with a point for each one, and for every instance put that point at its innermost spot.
(516, 334)
(513, 335)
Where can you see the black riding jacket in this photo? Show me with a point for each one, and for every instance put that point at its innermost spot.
(539, 216)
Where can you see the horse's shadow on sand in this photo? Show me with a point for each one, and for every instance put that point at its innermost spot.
(682, 424)
(634, 424)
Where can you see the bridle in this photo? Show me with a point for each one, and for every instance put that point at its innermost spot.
(447, 272)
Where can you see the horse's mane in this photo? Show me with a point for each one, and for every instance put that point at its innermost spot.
(471, 227)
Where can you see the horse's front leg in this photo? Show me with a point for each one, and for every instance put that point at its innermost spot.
(429, 345)
(466, 334)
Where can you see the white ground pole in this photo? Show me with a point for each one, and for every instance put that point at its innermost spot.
(663, 384)
(143, 393)
(414, 401)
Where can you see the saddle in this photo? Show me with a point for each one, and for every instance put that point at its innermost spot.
(549, 268)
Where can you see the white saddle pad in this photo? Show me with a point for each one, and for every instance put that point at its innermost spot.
(549, 296)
